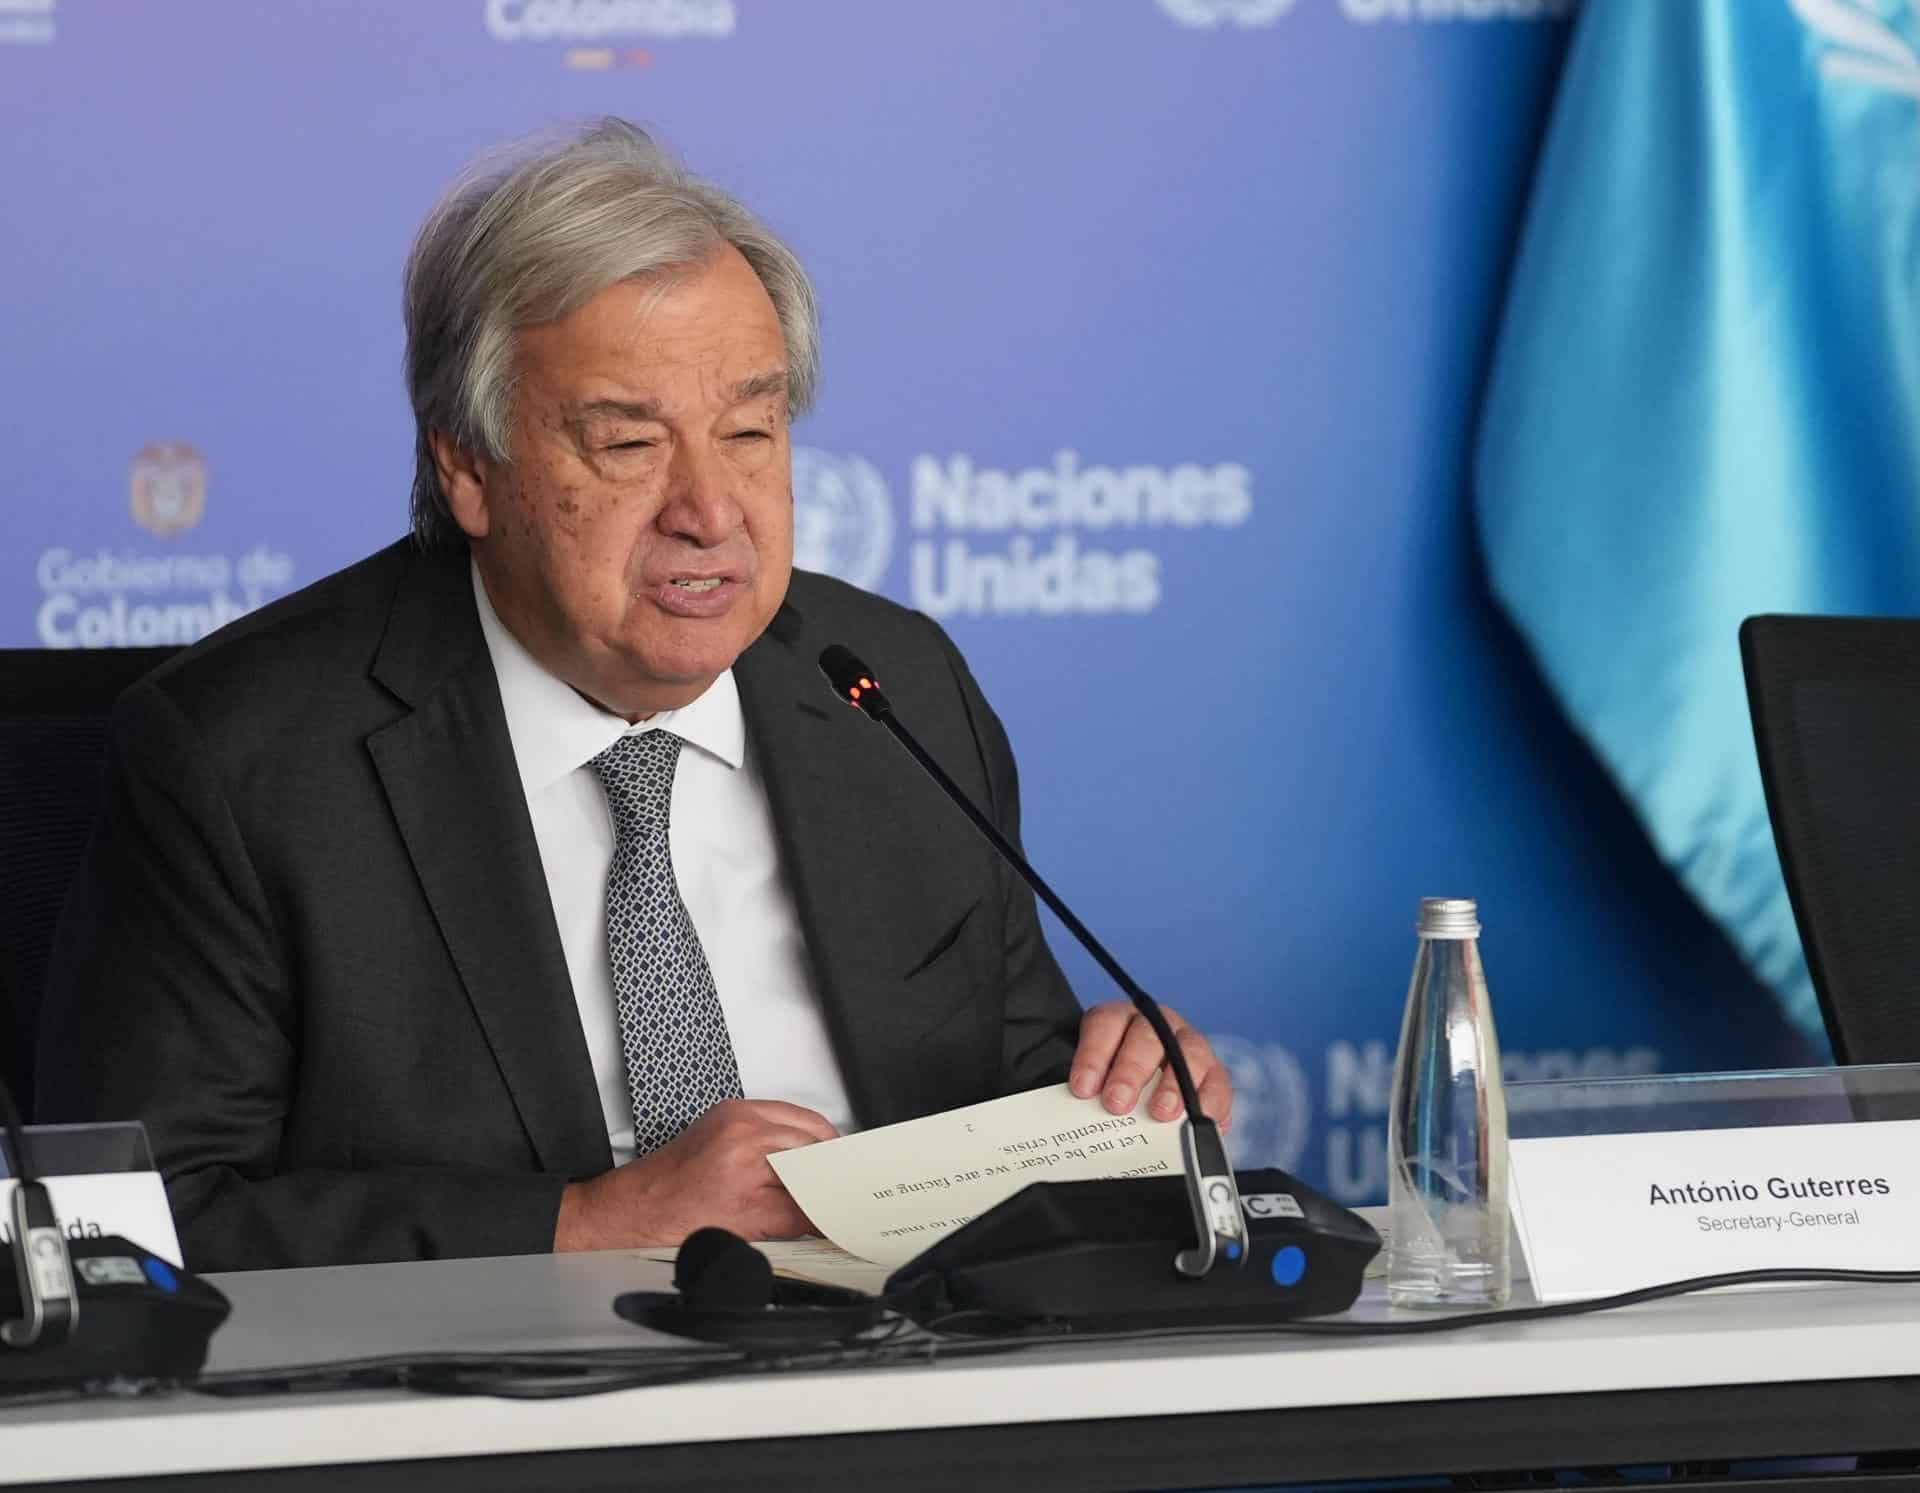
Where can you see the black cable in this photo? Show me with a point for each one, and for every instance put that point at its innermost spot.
(15, 1130)
(562, 1373)
(39, 1395)
(1459, 1321)
(395, 1369)
(615, 1369)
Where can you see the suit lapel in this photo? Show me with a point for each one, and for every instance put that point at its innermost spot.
(845, 817)
(449, 775)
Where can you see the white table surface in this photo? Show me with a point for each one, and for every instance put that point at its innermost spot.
(536, 1302)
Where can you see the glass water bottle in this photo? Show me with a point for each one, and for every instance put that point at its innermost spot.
(1447, 1134)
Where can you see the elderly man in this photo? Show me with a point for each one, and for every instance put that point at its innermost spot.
(522, 887)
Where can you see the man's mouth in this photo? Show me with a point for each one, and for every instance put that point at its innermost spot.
(697, 595)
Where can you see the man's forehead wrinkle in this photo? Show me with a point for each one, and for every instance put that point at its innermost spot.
(755, 386)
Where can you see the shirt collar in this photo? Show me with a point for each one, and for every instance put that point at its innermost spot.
(555, 729)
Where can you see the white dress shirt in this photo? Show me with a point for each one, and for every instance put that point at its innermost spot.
(724, 857)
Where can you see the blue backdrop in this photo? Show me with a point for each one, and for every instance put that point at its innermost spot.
(1155, 334)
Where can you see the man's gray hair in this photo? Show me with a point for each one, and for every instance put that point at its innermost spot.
(533, 235)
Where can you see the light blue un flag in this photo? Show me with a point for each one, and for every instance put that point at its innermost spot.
(1706, 399)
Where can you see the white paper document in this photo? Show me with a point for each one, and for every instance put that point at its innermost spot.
(820, 1261)
(885, 1195)
(824, 1263)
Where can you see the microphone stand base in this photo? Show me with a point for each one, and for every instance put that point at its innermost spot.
(138, 1318)
(1098, 1257)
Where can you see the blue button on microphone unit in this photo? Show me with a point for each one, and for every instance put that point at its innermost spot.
(1289, 1265)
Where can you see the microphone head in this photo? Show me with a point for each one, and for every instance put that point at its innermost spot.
(852, 680)
(719, 1271)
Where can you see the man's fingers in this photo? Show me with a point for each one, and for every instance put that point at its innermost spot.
(1119, 1053)
(774, 1138)
(777, 1216)
(796, 1117)
(1101, 1031)
(1167, 1103)
(1140, 1053)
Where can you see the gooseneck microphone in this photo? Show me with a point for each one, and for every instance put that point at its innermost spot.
(43, 1272)
(1211, 1190)
(96, 1309)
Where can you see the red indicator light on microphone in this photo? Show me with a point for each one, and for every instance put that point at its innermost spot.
(852, 680)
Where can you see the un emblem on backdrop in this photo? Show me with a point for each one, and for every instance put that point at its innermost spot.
(1206, 15)
(167, 487)
(842, 517)
(1272, 1102)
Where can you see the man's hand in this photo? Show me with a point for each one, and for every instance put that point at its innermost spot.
(714, 1172)
(1119, 1053)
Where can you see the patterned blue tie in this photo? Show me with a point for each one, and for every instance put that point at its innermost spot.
(673, 1034)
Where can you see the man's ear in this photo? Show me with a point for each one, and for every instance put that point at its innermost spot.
(463, 480)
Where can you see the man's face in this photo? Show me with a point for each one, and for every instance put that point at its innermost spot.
(642, 534)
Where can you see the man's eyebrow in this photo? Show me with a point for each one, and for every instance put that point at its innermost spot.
(773, 381)
(615, 409)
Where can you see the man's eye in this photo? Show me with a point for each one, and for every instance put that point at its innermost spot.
(635, 445)
(752, 435)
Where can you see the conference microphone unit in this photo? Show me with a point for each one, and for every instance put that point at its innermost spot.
(96, 1310)
(1203, 1249)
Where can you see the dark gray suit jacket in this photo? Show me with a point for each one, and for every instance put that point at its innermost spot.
(312, 946)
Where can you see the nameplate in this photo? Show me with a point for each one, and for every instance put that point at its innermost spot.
(132, 1204)
(1598, 1214)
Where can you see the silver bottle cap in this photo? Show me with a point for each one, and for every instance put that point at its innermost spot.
(1448, 917)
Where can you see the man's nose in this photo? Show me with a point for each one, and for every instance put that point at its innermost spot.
(700, 507)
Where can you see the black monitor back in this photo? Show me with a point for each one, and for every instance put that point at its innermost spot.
(1836, 718)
